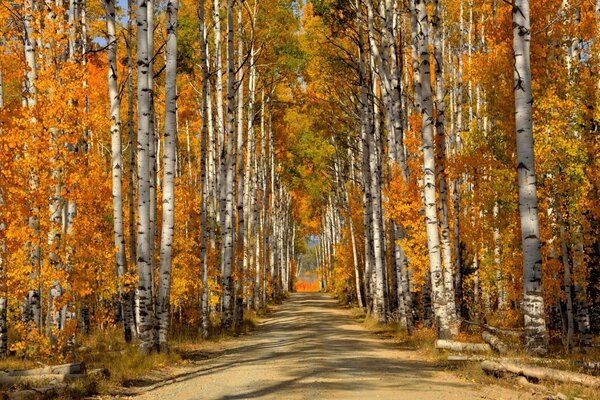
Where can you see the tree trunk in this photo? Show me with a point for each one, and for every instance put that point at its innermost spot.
(228, 262)
(117, 167)
(130, 294)
(536, 337)
(33, 302)
(440, 128)
(145, 232)
(241, 215)
(168, 191)
(567, 278)
(429, 179)
(204, 154)
(456, 195)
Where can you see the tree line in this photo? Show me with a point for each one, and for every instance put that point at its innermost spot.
(169, 165)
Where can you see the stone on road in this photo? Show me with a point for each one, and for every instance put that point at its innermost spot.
(311, 349)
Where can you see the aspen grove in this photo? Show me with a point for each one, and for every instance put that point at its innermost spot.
(169, 165)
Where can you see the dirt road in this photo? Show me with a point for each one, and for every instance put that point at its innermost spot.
(312, 349)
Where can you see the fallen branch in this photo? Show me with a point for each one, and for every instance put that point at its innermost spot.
(460, 346)
(495, 343)
(540, 373)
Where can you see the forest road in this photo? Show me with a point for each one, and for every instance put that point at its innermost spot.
(310, 348)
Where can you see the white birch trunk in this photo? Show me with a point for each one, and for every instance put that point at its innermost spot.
(456, 195)
(117, 169)
(163, 309)
(132, 294)
(241, 215)
(567, 279)
(438, 294)
(145, 232)
(205, 178)
(153, 146)
(229, 220)
(536, 337)
(440, 126)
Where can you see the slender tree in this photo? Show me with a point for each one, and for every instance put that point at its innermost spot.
(168, 190)
(429, 179)
(117, 170)
(144, 229)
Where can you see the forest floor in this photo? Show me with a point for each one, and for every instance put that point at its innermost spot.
(311, 348)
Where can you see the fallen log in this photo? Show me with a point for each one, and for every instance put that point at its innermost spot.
(64, 369)
(10, 380)
(466, 358)
(495, 343)
(493, 329)
(460, 346)
(45, 392)
(540, 373)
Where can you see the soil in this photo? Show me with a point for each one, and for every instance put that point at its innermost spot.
(311, 348)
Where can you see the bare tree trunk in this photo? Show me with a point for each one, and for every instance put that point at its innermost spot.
(204, 154)
(163, 309)
(3, 286)
(583, 313)
(241, 215)
(429, 180)
(365, 131)
(536, 337)
(33, 303)
(228, 232)
(441, 170)
(265, 202)
(117, 170)
(220, 142)
(567, 278)
(145, 232)
(131, 294)
(457, 182)
(154, 145)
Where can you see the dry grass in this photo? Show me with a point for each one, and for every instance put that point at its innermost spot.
(106, 349)
(423, 339)
(17, 363)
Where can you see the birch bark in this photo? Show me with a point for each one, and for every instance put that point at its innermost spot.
(163, 309)
(429, 179)
(204, 155)
(229, 220)
(440, 126)
(145, 232)
(117, 170)
(536, 337)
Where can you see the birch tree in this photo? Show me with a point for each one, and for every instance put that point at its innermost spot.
(163, 308)
(536, 337)
(203, 170)
(144, 227)
(228, 253)
(117, 170)
(429, 179)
